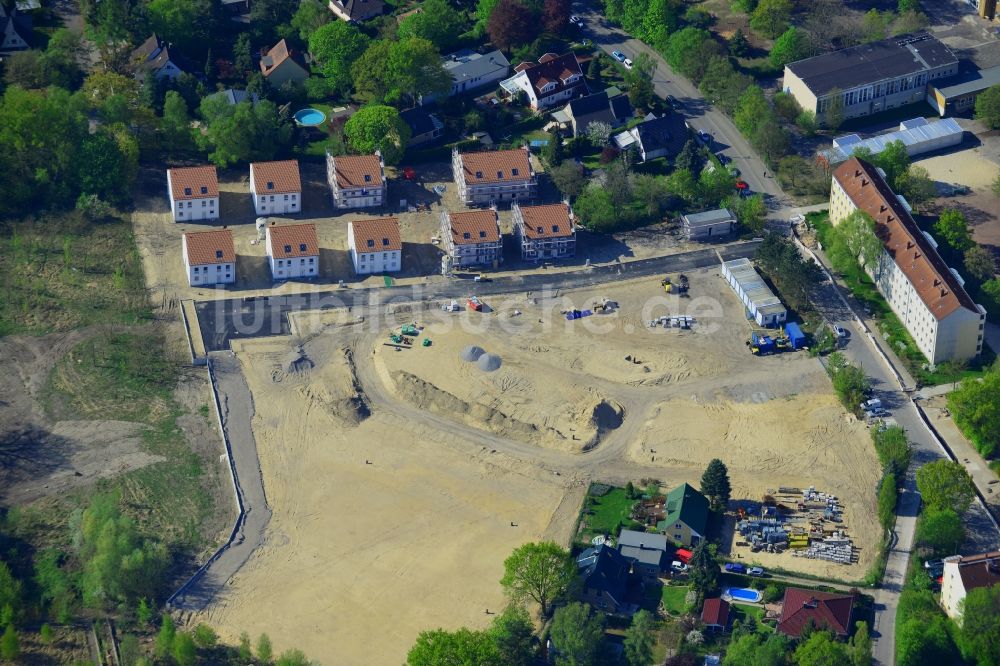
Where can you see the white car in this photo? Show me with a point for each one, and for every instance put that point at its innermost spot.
(627, 63)
(840, 331)
(576, 20)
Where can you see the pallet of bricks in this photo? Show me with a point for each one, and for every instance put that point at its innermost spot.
(823, 541)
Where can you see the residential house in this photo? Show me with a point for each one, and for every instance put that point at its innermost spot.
(646, 551)
(687, 516)
(472, 238)
(471, 71)
(154, 56)
(928, 297)
(822, 610)
(545, 232)
(869, 78)
(491, 177)
(356, 10)
(553, 79)
(15, 31)
(375, 245)
(281, 64)
(292, 251)
(650, 139)
(194, 193)
(604, 574)
(356, 181)
(234, 96)
(962, 574)
(708, 225)
(209, 257)
(425, 127)
(275, 187)
(594, 108)
(237, 10)
(715, 614)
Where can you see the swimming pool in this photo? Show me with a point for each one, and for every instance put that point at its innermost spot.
(309, 117)
(742, 594)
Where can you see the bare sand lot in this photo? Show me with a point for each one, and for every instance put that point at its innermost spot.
(416, 539)
(976, 168)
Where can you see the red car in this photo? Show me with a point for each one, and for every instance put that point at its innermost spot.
(741, 185)
(475, 304)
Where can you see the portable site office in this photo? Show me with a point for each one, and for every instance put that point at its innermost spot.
(764, 307)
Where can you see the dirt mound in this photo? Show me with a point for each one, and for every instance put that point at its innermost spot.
(472, 353)
(297, 362)
(489, 362)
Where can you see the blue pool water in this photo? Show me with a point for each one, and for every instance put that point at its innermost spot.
(744, 594)
(309, 117)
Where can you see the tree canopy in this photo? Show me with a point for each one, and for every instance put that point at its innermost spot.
(793, 44)
(977, 411)
(715, 484)
(402, 71)
(242, 132)
(438, 22)
(770, 18)
(953, 229)
(988, 107)
(981, 626)
(376, 127)
(944, 484)
(335, 47)
(577, 634)
(538, 571)
(511, 23)
(941, 530)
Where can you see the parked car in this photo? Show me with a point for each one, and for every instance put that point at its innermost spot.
(841, 331)
(618, 55)
(678, 566)
(576, 20)
(736, 567)
(872, 404)
(628, 63)
(756, 571)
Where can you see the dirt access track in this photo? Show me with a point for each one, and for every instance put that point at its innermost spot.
(400, 480)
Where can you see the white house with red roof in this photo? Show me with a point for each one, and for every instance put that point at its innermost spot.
(275, 187)
(209, 257)
(472, 237)
(375, 245)
(194, 193)
(292, 251)
(494, 176)
(356, 181)
(545, 232)
(554, 79)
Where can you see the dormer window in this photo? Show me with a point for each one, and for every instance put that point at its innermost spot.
(187, 191)
(466, 235)
(482, 234)
(270, 185)
(555, 228)
(385, 242)
(513, 172)
(540, 229)
(499, 175)
(204, 190)
(479, 174)
(288, 248)
(218, 254)
(368, 178)
(302, 247)
(371, 243)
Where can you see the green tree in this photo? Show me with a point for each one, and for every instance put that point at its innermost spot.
(639, 80)
(243, 53)
(553, 150)
(513, 634)
(875, 25)
(176, 123)
(682, 183)
(538, 571)
(859, 647)
(683, 51)
(459, 647)
(690, 158)
(927, 641)
(205, 637)
(770, 18)
(46, 634)
(751, 212)
(143, 613)
(715, 484)
(908, 6)
(981, 626)
(577, 634)
(916, 185)
(294, 657)
(243, 651)
(821, 649)
(243, 132)
(400, 71)
(378, 128)
(954, 230)
(310, 17)
(792, 45)
(941, 530)
(438, 23)
(165, 637)
(975, 408)
(739, 46)
(184, 650)
(568, 178)
(944, 484)
(770, 139)
(264, 650)
(187, 24)
(715, 185)
(722, 84)
(887, 496)
(807, 122)
(639, 639)
(271, 19)
(979, 263)
(10, 647)
(10, 595)
(484, 8)
(988, 107)
(894, 160)
(335, 47)
(858, 232)
(704, 570)
(893, 449)
(851, 385)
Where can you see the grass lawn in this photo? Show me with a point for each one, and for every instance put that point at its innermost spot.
(605, 514)
(62, 272)
(742, 611)
(672, 598)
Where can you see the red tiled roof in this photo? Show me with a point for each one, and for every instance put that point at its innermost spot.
(980, 570)
(937, 287)
(496, 166)
(283, 176)
(549, 221)
(377, 235)
(210, 247)
(479, 225)
(352, 169)
(553, 68)
(824, 610)
(715, 611)
(293, 240)
(193, 182)
(276, 55)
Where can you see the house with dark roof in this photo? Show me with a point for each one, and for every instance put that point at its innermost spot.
(869, 78)
(425, 127)
(604, 575)
(471, 71)
(292, 251)
(193, 193)
(375, 245)
(553, 79)
(926, 294)
(963, 574)
(209, 257)
(281, 64)
(237, 10)
(822, 610)
(594, 108)
(472, 237)
(647, 551)
(490, 177)
(356, 10)
(650, 139)
(545, 232)
(687, 511)
(275, 187)
(15, 31)
(715, 614)
(356, 181)
(155, 56)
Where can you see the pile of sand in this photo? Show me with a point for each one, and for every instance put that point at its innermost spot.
(472, 353)
(489, 362)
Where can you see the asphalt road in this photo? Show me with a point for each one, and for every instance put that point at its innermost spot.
(223, 320)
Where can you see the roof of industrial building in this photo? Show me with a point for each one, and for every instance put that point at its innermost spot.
(474, 226)
(754, 287)
(193, 182)
(292, 240)
(912, 133)
(377, 235)
(709, 217)
(281, 177)
(973, 82)
(210, 247)
(920, 262)
(495, 166)
(354, 171)
(549, 221)
(867, 63)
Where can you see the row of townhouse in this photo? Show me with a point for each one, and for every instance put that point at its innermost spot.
(473, 238)
(275, 188)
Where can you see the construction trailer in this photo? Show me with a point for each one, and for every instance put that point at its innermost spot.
(760, 302)
(762, 344)
(796, 338)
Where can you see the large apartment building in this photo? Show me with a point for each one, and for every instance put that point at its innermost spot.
(495, 176)
(928, 297)
(869, 78)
